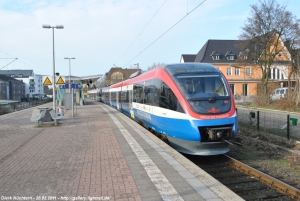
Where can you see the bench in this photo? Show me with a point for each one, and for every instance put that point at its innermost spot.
(55, 116)
(37, 117)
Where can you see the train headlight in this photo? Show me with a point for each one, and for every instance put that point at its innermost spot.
(219, 134)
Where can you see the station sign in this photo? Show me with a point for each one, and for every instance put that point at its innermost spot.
(73, 86)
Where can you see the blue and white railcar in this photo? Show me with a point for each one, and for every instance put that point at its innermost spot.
(190, 104)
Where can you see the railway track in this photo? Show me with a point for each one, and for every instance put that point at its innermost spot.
(248, 182)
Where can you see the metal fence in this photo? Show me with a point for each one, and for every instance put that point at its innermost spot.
(12, 107)
(277, 123)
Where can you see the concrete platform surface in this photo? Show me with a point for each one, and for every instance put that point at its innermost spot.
(99, 154)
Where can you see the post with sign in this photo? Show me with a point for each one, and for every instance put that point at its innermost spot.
(69, 100)
(72, 102)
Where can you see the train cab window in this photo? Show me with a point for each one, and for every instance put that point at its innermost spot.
(206, 93)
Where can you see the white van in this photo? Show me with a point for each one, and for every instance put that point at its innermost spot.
(280, 93)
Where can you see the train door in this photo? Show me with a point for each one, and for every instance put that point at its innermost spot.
(130, 100)
(110, 98)
(120, 100)
(117, 100)
(130, 96)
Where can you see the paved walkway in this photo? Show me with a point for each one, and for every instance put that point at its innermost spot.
(99, 154)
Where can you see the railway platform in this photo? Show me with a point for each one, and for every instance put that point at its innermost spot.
(99, 154)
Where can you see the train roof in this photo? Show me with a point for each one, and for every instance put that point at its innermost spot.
(171, 69)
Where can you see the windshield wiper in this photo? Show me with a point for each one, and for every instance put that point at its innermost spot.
(212, 99)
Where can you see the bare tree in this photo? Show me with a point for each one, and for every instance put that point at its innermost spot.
(155, 65)
(263, 34)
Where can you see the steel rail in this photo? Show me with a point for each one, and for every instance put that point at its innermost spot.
(266, 179)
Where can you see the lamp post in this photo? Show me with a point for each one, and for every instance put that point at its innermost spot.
(53, 81)
(69, 72)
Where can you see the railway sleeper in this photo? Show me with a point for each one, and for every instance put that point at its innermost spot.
(237, 181)
(251, 187)
(229, 175)
(266, 195)
(216, 170)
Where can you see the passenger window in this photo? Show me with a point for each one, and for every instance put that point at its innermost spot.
(168, 99)
(137, 93)
(149, 93)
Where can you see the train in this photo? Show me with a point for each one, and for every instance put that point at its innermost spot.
(190, 105)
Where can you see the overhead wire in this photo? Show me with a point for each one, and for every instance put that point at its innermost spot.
(139, 35)
(15, 59)
(166, 32)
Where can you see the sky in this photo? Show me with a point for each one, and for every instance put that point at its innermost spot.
(101, 34)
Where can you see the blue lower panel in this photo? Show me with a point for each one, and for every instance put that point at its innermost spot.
(183, 129)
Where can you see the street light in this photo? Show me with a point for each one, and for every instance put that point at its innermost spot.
(69, 72)
(46, 26)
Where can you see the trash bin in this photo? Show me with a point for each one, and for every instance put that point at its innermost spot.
(294, 121)
(252, 114)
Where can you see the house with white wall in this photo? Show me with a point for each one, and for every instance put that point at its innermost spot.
(33, 83)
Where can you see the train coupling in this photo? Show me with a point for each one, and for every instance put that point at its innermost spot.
(219, 133)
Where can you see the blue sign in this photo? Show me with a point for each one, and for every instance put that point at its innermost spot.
(73, 86)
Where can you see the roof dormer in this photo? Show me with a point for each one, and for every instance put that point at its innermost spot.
(229, 55)
(215, 55)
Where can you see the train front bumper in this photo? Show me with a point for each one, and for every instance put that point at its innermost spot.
(199, 148)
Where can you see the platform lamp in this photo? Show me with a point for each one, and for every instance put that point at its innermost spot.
(69, 72)
(53, 81)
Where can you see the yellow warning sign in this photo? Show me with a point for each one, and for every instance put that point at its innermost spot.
(60, 81)
(47, 81)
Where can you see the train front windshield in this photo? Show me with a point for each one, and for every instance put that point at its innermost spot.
(206, 92)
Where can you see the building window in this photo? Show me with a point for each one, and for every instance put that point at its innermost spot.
(228, 71)
(117, 76)
(237, 71)
(232, 88)
(230, 57)
(248, 71)
(245, 89)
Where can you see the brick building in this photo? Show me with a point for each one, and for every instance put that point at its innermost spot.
(117, 74)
